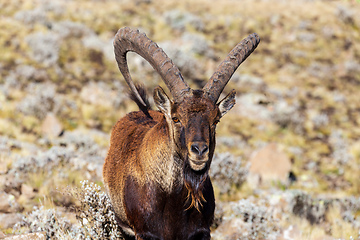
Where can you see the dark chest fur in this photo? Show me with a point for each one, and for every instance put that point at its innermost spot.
(156, 214)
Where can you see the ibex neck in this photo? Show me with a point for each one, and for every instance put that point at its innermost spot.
(165, 167)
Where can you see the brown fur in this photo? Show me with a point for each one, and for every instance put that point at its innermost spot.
(156, 170)
(155, 191)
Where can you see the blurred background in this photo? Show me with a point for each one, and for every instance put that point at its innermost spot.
(288, 154)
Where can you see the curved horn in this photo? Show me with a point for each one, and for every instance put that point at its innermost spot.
(226, 69)
(127, 40)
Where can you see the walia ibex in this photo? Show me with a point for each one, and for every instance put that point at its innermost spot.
(157, 168)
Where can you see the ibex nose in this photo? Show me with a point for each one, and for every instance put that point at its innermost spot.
(199, 148)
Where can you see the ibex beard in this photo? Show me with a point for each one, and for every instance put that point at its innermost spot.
(156, 170)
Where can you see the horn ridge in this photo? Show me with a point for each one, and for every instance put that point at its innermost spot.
(228, 66)
(127, 40)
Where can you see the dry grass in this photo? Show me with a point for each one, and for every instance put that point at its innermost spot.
(308, 58)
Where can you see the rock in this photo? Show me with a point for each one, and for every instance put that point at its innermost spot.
(8, 203)
(8, 220)
(28, 236)
(312, 209)
(269, 165)
(3, 166)
(51, 126)
(27, 191)
(11, 183)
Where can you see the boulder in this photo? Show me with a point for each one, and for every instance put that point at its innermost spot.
(11, 184)
(51, 126)
(3, 166)
(270, 165)
(8, 220)
(8, 203)
(27, 191)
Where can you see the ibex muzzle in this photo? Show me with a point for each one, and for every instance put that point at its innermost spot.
(156, 170)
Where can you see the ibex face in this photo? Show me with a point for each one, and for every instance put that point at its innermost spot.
(193, 122)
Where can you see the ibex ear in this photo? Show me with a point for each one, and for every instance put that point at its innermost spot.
(227, 103)
(162, 101)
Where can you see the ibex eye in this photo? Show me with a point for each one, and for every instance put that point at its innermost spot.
(216, 122)
(176, 120)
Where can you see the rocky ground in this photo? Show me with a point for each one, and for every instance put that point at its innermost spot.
(288, 155)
